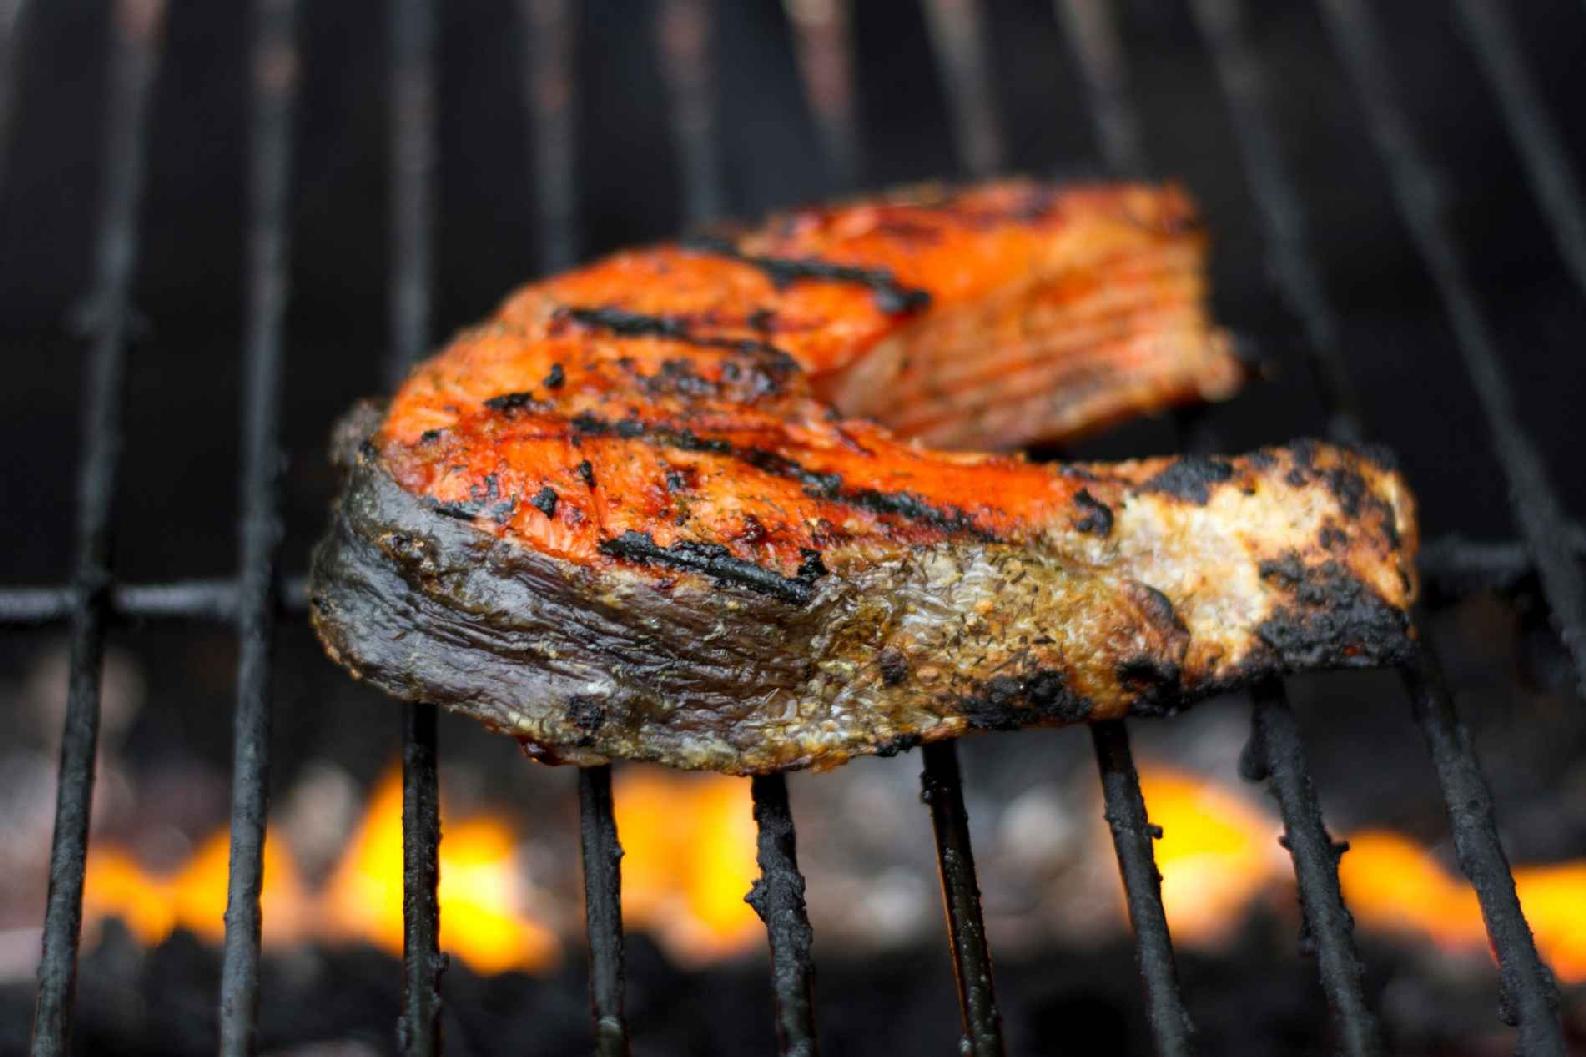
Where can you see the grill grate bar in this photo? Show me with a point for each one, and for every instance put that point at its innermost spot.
(419, 1029)
(1275, 755)
(1476, 829)
(1530, 996)
(958, 37)
(1280, 209)
(1093, 38)
(1132, 834)
(11, 15)
(1535, 503)
(778, 897)
(602, 909)
(1553, 179)
(688, 66)
(135, 44)
(942, 789)
(412, 144)
(823, 50)
(548, 87)
(274, 98)
(549, 84)
(1450, 566)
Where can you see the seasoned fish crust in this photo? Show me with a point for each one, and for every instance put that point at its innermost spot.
(616, 533)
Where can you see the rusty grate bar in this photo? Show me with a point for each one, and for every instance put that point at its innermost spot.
(1491, 34)
(274, 98)
(136, 37)
(942, 789)
(1132, 834)
(1538, 512)
(602, 856)
(412, 133)
(1276, 756)
(778, 897)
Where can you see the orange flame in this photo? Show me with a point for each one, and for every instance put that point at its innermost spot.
(481, 892)
(689, 859)
(1218, 853)
(1393, 885)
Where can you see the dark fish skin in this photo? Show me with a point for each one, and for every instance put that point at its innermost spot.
(893, 644)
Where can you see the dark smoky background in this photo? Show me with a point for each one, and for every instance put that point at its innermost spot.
(178, 490)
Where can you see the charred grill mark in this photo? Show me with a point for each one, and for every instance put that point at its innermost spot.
(1333, 619)
(1097, 517)
(1190, 479)
(545, 501)
(590, 425)
(894, 666)
(1160, 608)
(811, 567)
(818, 485)
(1006, 702)
(586, 712)
(829, 486)
(718, 563)
(460, 511)
(483, 499)
(898, 743)
(678, 378)
(555, 377)
(891, 296)
(673, 328)
(507, 403)
(586, 472)
(1154, 683)
(911, 507)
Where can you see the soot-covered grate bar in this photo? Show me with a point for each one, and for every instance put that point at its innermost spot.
(134, 54)
(251, 600)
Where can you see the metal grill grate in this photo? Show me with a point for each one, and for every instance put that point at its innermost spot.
(251, 600)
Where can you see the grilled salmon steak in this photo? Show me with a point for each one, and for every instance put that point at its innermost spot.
(624, 519)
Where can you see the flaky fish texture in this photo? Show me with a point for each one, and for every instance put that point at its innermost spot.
(618, 521)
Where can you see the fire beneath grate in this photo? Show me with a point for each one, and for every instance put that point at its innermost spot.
(1141, 816)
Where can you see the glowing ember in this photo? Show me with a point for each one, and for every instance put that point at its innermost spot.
(689, 859)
